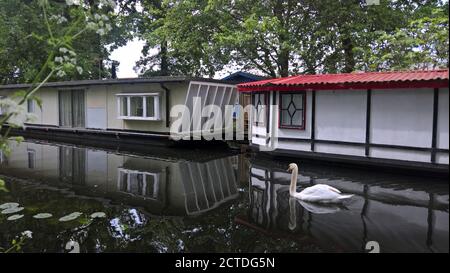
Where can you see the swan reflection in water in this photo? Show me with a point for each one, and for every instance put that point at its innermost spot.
(401, 213)
(315, 208)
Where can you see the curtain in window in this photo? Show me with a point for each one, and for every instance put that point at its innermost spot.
(150, 101)
(124, 106)
(137, 106)
(78, 108)
(71, 108)
(65, 108)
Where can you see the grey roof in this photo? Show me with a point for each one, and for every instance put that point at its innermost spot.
(162, 79)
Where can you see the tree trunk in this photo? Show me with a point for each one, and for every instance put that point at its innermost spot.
(164, 62)
(349, 58)
(284, 63)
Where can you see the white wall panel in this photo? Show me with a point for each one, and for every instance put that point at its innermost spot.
(390, 153)
(339, 149)
(442, 158)
(402, 117)
(341, 115)
(294, 145)
(442, 129)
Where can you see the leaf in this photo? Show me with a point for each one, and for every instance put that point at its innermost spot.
(42, 215)
(98, 215)
(9, 205)
(12, 210)
(70, 217)
(14, 217)
(17, 139)
(3, 186)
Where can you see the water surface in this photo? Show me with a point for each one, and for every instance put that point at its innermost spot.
(211, 200)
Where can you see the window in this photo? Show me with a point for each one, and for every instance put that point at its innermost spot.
(143, 106)
(72, 108)
(30, 106)
(139, 183)
(260, 102)
(292, 110)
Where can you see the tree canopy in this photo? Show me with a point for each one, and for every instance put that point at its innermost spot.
(25, 42)
(283, 37)
(267, 37)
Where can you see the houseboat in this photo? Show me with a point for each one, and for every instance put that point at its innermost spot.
(126, 110)
(390, 119)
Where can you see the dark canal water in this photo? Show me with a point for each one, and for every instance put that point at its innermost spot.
(196, 200)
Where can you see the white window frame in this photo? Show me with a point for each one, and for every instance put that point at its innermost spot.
(144, 97)
(156, 178)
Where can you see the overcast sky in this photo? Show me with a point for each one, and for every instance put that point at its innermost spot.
(127, 56)
(130, 53)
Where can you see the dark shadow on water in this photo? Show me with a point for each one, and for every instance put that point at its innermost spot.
(211, 200)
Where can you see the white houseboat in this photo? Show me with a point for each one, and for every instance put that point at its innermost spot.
(392, 119)
(119, 109)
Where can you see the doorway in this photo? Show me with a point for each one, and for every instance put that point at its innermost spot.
(71, 108)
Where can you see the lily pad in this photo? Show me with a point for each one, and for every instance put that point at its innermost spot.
(8, 205)
(12, 210)
(98, 214)
(14, 217)
(70, 217)
(42, 215)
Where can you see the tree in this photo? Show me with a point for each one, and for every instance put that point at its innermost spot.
(58, 61)
(274, 37)
(24, 46)
(422, 44)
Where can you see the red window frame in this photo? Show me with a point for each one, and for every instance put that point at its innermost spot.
(280, 111)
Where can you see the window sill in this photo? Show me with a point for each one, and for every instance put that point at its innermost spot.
(140, 118)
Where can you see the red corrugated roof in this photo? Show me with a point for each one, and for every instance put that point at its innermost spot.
(366, 80)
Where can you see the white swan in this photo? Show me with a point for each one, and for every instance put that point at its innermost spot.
(318, 193)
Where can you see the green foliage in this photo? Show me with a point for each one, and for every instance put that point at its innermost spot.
(3, 186)
(422, 44)
(30, 31)
(278, 38)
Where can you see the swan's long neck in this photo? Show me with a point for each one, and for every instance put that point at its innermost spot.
(293, 187)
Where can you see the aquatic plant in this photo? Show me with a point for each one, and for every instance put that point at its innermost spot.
(8, 205)
(70, 217)
(12, 210)
(3, 186)
(98, 215)
(42, 215)
(14, 217)
(16, 244)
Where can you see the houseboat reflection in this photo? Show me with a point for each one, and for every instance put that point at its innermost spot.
(163, 186)
(395, 211)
